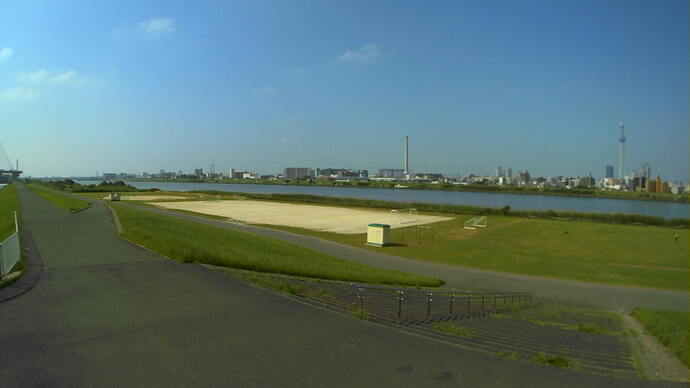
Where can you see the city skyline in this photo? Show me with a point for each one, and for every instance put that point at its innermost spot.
(140, 86)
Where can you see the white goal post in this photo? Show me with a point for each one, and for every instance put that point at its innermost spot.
(404, 216)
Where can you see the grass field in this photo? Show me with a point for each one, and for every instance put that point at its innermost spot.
(190, 241)
(9, 202)
(61, 200)
(669, 327)
(644, 256)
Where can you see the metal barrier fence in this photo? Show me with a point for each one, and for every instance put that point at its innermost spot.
(10, 251)
(441, 302)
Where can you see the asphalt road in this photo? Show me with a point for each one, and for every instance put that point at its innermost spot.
(617, 298)
(107, 313)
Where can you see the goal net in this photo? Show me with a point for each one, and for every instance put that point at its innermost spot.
(404, 216)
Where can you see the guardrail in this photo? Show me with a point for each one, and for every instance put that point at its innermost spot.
(456, 302)
(10, 251)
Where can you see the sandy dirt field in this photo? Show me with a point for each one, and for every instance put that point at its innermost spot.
(145, 197)
(321, 218)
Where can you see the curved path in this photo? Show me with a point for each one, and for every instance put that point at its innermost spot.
(107, 313)
(555, 290)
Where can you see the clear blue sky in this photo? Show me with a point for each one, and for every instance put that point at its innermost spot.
(134, 86)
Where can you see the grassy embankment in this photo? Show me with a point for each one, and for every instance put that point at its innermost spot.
(190, 241)
(63, 201)
(9, 202)
(669, 327)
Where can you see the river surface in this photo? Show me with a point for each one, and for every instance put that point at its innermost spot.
(515, 201)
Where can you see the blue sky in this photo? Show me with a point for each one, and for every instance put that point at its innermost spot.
(261, 85)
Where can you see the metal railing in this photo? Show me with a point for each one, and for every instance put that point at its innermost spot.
(10, 251)
(456, 302)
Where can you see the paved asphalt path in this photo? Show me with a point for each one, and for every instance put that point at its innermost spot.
(107, 313)
(618, 298)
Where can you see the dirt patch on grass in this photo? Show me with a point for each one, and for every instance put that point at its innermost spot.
(320, 218)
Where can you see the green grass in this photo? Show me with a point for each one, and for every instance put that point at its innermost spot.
(643, 256)
(63, 201)
(9, 202)
(669, 327)
(552, 359)
(451, 328)
(190, 241)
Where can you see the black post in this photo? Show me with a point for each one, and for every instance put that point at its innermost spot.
(400, 299)
(452, 299)
(469, 300)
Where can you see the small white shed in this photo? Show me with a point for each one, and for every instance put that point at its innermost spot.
(378, 235)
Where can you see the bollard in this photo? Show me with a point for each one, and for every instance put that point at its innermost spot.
(452, 299)
(400, 299)
(469, 300)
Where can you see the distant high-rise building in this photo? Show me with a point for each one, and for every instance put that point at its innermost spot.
(609, 171)
(298, 172)
(647, 171)
(198, 171)
(499, 171)
(509, 173)
(396, 173)
(621, 152)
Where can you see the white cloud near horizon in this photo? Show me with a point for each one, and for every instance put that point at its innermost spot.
(44, 76)
(265, 91)
(158, 26)
(18, 94)
(6, 53)
(368, 54)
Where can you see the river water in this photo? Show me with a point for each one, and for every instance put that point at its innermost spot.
(515, 201)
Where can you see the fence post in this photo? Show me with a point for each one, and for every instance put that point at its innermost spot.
(361, 302)
(400, 299)
(452, 299)
(469, 300)
(428, 304)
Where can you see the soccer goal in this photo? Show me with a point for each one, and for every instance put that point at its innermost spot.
(475, 222)
(404, 216)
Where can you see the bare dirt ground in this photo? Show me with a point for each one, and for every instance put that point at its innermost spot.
(146, 197)
(321, 218)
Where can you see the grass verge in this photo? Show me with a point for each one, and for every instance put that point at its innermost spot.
(189, 241)
(63, 201)
(9, 202)
(450, 328)
(552, 359)
(669, 327)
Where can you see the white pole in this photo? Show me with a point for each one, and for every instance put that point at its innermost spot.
(16, 224)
